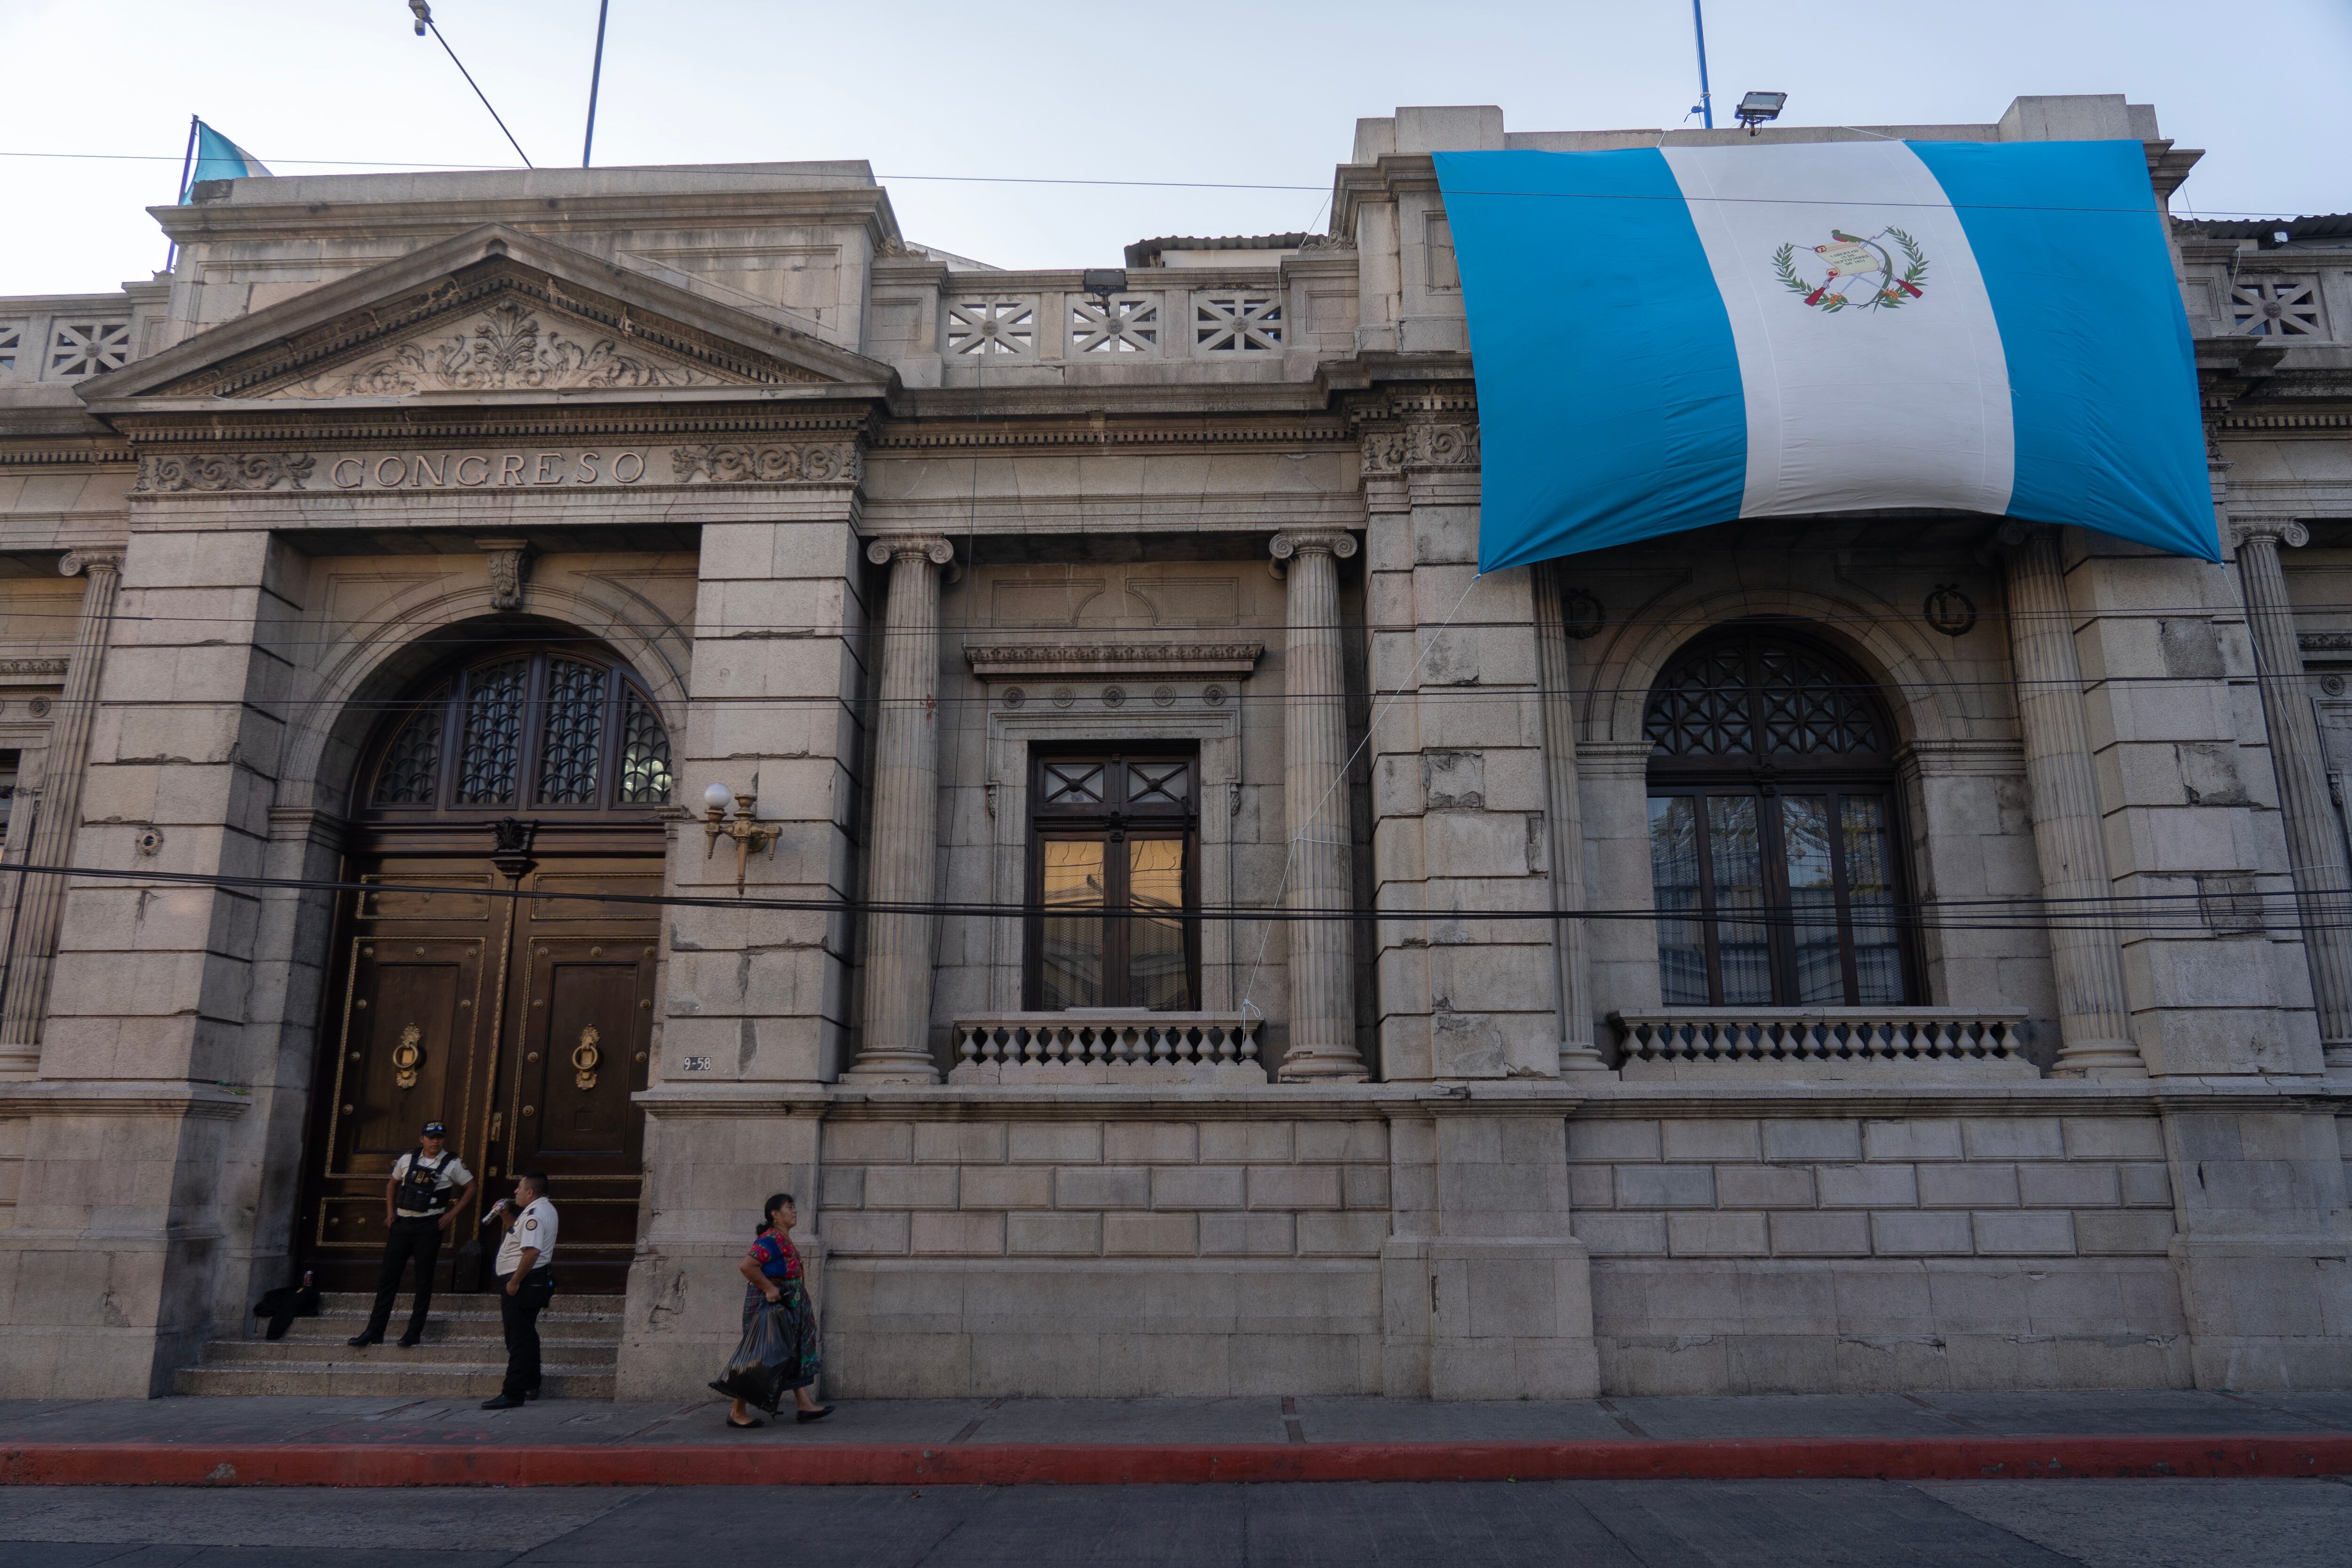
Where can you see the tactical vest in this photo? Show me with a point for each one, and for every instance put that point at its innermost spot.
(421, 1191)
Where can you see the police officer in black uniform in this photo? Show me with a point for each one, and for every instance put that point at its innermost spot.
(428, 1185)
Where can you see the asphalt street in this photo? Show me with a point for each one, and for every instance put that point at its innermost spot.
(1589, 1524)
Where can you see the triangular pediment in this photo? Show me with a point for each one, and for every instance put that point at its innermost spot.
(492, 312)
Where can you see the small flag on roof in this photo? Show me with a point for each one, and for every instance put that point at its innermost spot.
(218, 158)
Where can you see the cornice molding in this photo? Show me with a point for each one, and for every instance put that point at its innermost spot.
(1079, 659)
(958, 431)
(484, 427)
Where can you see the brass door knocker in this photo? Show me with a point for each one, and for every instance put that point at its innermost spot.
(405, 1056)
(584, 1059)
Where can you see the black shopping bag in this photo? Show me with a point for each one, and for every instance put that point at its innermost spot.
(756, 1375)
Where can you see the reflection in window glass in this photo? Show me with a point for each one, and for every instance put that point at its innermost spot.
(571, 740)
(1877, 954)
(1736, 861)
(1157, 976)
(1813, 900)
(645, 755)
(412, 764)
(1674, 891)
(1070, 966)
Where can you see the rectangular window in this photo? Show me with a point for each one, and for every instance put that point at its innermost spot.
(1774, 899)
(1113, 840)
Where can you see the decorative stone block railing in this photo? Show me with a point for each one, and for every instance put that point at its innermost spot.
(1106, 1045)
(1696, 1043)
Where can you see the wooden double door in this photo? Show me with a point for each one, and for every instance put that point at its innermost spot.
(522, 1022)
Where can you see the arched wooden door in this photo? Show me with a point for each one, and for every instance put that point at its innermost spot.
(515, 1002)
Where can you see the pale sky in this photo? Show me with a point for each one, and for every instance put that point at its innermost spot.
(1206, 93)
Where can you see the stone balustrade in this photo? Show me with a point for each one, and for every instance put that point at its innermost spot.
(1110, 1045)
(1698, 1043)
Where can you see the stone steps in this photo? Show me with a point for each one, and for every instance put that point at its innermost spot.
(463, 1354)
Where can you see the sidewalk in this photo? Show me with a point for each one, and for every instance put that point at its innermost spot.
(391, 1442)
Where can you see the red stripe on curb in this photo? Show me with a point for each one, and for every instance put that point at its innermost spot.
(1005, 1464)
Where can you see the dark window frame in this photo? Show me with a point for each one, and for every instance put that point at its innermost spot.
(448, 689)
(1765, 775)
(1112, 821)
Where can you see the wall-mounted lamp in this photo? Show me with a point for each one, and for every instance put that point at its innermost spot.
(748, 834)
(1759, 107)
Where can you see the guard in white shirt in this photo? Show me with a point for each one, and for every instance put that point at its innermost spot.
(428, 1185)
(526, 1281)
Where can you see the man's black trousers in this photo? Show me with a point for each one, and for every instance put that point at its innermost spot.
(409, 1237)
(518, 1315)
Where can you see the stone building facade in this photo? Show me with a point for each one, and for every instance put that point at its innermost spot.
(386, 587)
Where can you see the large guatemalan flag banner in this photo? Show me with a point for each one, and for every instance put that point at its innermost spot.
(1675, 337)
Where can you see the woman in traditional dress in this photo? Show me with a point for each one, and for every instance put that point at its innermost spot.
(772, 1268)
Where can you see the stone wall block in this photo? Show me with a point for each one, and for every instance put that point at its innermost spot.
(1247, 1234)
(911, 1186)
(1735, 1139)
(867, 1234)
(1805, 1140)
(1609, 1142)
(1006, 1188)
(1595, 1187)
(1990, 1185)
(1621, 1234)
(2113, 1137)
(2068, 1187)
(2013, 1138)
(1718, 1235)
(1925, 1233)
(1665, 1186)
(842, 1187)
(963, 1142)
(2147, 1185)
(1294, 1187)
(2147, 1232)
(1764, 1186)
(1054, 1234)
(1055, 1143)
(1101, 1188)
(1247, 1142)
(1357, 1235)
(1868, 1186)
(2016, 1233)
(1150, 1143)
(1820, 1235)
(1912, 1139)
(971, 1235)
(1196, 1187)
(1150, 1235)
(1365, 1186)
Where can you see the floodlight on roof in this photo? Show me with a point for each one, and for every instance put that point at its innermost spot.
(1756, 108)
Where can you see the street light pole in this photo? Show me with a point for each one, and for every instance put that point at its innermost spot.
(1705, 103)
(596, 78)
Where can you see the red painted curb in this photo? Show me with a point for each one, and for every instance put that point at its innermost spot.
(1008, 1464)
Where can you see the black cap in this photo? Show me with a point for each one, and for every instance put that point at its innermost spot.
(435, 1130)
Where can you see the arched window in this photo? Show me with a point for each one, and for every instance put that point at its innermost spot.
(526, 728)
(1773, 830)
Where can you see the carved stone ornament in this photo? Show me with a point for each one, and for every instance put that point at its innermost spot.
(511, 839)
(1327, 244)
(932, 547)
(249, 471)
(77, 562)
(1331, 541)
(1581, 615)
(504, 348)
(1126, 660)
(769, 463)
(2283, 530)
(1949, 611)
(31, 666)
(1421, 446)
(509, 562)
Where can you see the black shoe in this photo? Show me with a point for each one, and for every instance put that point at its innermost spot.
(531, 1394)
(501, 1403)
(819, 1413)
(365, 1338)
(409, 1341)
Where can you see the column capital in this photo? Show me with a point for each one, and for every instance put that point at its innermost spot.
(2282, 529)
(1334, 541)
(77, 562)
(935, 548)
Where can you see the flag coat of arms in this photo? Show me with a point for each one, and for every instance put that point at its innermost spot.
(215, 157)
(1670, 337)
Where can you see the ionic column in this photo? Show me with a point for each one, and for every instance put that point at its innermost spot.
(1571, 950)
(1315, 807)
(35, 946)
(2093, 1014)
(902, 843)
(2315, 843)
